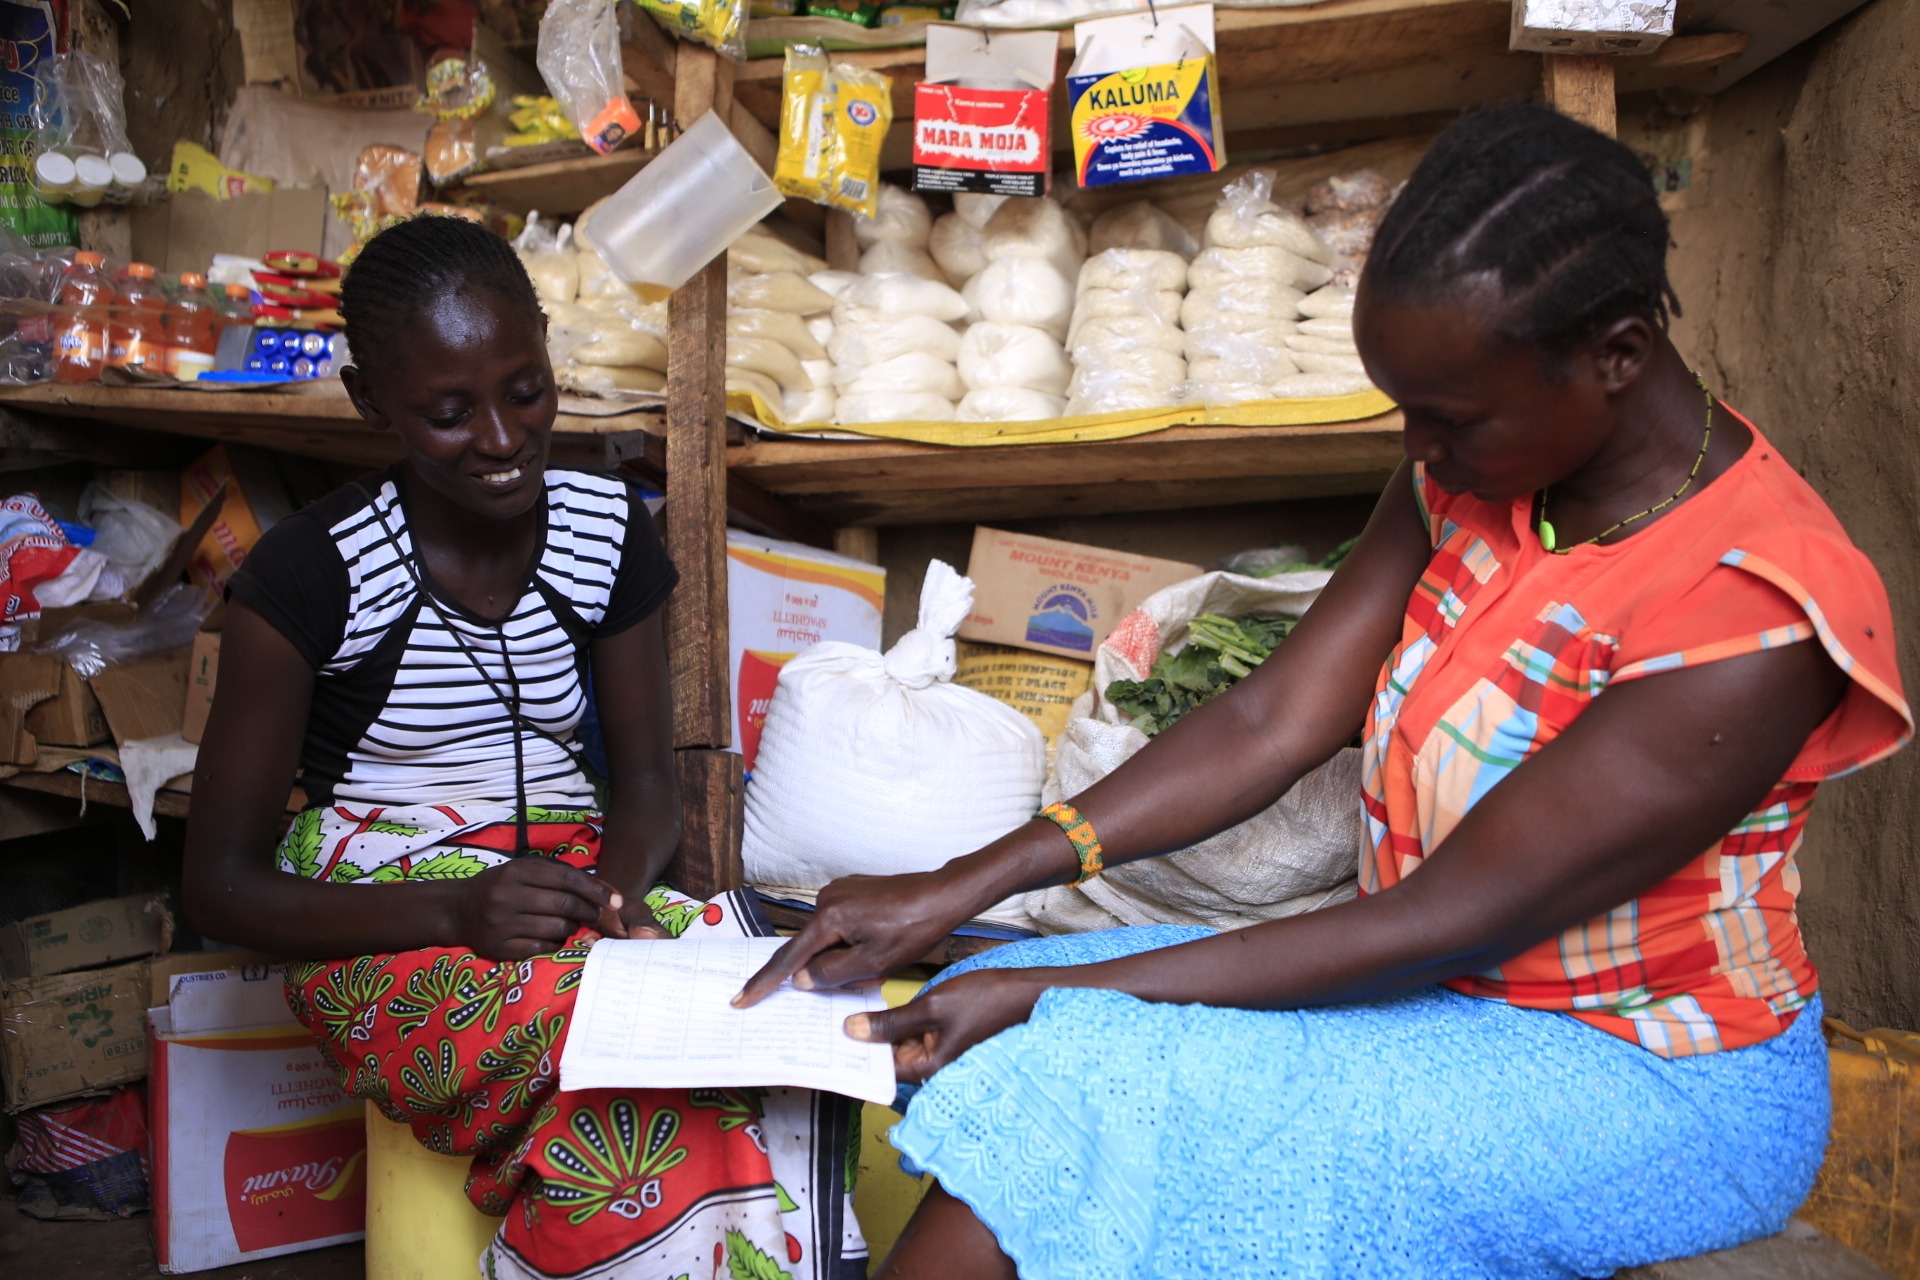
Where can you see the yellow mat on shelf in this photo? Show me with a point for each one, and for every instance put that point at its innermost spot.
(1315, 411)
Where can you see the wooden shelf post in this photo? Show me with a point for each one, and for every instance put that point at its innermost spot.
(1581, 87)
(711, 796)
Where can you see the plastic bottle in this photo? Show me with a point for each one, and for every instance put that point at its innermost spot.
(192, 328)
(137, 337)
(80, 340)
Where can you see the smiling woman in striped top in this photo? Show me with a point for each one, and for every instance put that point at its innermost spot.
(418, 646)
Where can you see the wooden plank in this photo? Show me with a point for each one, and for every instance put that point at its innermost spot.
(712, 805)
(167, 804)
(560, 187)
(649, 56)
(948, 950)
(1702, 51)
(1581, 87)
(858, 542)
(843, 250)
(696, 457)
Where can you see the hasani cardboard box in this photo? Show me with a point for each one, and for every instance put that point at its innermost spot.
(257, 1151)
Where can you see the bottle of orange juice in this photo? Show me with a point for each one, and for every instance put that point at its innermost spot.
(80, 337)
(137, 337)
(192, 328)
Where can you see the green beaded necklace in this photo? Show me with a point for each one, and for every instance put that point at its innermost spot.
(1551, 540)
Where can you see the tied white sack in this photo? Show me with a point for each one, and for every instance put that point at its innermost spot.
(906, 259)
(957, 248)
(1299, 854)
(876, 764)
(899, 216)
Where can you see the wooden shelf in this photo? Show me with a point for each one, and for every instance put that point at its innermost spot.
(318, 422)
(559, 187)
(878, 482)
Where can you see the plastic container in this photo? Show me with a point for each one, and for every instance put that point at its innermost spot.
(80, 339)
(129, 171)
(192, 325)
(682, 211)
(92, 180)
(137, 337)
(53, 176)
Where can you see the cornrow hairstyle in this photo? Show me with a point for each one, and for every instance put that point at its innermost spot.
(415, 261)
(1564, 216)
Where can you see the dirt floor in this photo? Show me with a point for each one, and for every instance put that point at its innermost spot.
(123, 1250)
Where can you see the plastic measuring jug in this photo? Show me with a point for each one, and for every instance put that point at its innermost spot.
(682, 210)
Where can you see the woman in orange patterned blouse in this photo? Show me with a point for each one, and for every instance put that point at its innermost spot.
(1604, 642)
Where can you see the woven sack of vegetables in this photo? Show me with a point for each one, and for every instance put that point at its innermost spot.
(1297, 855)
(876, 764)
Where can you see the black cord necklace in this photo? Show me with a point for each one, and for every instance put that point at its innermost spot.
(1551, 540)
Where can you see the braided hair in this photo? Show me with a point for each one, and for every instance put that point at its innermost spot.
(415, 261)
(1563, 215)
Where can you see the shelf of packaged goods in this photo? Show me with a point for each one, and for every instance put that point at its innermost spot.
(316, 422)
(1346, 62)
(880, 482)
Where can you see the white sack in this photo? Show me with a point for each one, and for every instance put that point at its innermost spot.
(1222, 266)
(760, 252)
(957, 248)
(778, 291)
(912, 374)
(1035, 227)
(1239, 305)
(892, 408)
(908, 259)
(1026, 291)
(860, 344)
(900, 216)
(1009, 404)
(1140, 225)
(977, 207)
(1099, 304)
(764, 356)
(1008, 355)
(897, 296)
(878, 765)
(833, 283)
(1138, 342)
(1134, 269)
(816, 405)
(820, 328)
(783, 327)
(1300, 854)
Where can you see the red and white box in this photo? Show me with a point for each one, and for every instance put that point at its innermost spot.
(982, 118)
(257, 1151)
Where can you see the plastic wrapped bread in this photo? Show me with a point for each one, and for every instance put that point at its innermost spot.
(1009, 404)
(1001, 355)
(1140, 225)
(901, 217)
(1248, 217)
(1130, 269)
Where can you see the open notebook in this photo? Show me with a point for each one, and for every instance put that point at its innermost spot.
(658, 1015)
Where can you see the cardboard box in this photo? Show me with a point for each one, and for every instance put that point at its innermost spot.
(72, 716)
(42, 700)
(249, 500)
(257, 1151)
(1143, 99)
(781, 598)
(203, 674)
(69, 1033)
(1057, 597)
(82, 937)
(145, 698)
(996, 140)
(185, 230)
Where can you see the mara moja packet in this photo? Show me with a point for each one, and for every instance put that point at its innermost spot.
(982, 118)
(1143, 97)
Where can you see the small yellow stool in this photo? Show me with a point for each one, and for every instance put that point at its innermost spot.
(421, 1226)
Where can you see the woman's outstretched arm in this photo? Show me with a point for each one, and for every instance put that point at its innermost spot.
(632, 692)
(1219, 766)
(236, 893)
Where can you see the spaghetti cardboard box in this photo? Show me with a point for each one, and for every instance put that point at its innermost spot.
(256, 1149)
(781, 598)
(1057, 597)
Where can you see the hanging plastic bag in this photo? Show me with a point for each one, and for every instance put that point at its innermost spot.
(833, 120)
(80, 133)
(579, 57)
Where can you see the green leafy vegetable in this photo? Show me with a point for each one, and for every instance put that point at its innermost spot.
(1219, 651)
(1329, 561)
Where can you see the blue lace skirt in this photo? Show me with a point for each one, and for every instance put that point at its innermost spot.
(1429, 1136)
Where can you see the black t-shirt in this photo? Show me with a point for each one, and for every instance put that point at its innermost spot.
(402, 712)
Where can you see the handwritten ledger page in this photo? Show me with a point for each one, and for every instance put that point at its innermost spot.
(657, 1015)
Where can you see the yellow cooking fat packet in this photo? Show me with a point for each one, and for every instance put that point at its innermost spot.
(833, 120)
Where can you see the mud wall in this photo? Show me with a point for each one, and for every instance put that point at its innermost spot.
(1800, 274)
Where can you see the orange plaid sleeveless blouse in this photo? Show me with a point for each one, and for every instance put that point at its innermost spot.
(1504, 644)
